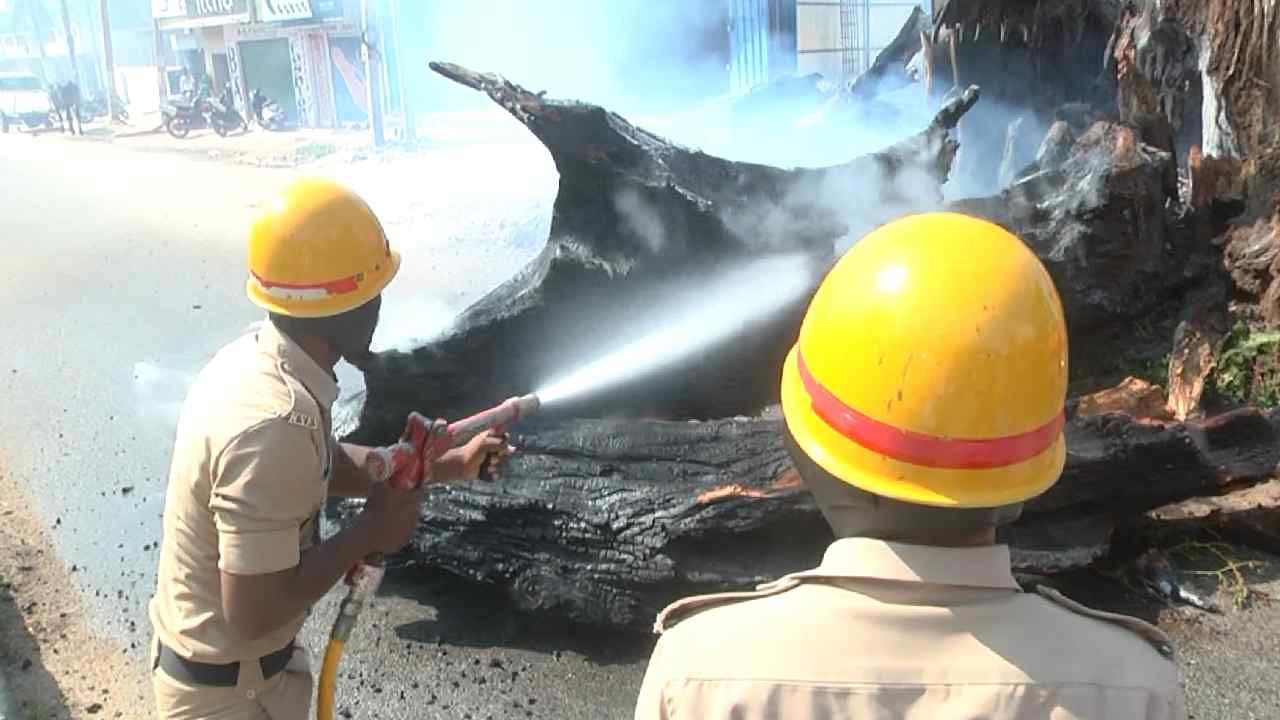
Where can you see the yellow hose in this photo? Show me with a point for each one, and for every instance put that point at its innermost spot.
(328, 679)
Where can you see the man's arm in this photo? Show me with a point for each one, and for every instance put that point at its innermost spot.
(266, 483)
(348, 479)
(255, 605)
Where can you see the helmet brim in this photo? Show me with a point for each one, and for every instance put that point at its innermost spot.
(326, 306)
(907, 482)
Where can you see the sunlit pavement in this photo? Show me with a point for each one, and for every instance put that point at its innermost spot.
(123, 272)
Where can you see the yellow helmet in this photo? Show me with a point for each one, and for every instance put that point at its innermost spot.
(932, 367)
(317, 250)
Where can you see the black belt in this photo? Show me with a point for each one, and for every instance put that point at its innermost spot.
(224, 675)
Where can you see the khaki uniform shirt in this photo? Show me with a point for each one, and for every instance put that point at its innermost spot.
(249, 475)
(886, 630)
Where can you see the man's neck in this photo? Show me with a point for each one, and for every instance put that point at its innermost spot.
(978, 538)
(320, 350)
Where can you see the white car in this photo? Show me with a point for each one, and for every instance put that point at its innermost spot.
(23, 99)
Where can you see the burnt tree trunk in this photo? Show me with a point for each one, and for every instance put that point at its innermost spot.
(1122, 249)
(604, 522)
(636, 219)
(889, 71)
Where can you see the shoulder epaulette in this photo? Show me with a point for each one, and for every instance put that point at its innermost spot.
(1152, 634)
(685, 607)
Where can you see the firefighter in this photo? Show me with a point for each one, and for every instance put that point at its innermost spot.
(255, 459)
(923, 404)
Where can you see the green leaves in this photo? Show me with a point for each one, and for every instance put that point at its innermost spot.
(1238, 377)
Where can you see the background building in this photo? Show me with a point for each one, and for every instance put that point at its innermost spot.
(838, 39)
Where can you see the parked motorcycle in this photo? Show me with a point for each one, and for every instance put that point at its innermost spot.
(184, 112)
(223, 115)
(266, 112)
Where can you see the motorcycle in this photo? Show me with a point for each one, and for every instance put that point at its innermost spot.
(266, 112)
(184, 112)
(223, 115)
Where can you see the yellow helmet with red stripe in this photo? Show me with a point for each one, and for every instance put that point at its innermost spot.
(931, 367)
(317, 250)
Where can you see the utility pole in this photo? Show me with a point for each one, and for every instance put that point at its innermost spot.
(71, 43)
(406, 106)
(372, 74)
(162, 82)
(111, 64)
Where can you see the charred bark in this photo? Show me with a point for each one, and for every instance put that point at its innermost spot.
(1109, 226)
(635, 218)
(889, 71)
(1028, 58)
(1238, 68)
(604, 522)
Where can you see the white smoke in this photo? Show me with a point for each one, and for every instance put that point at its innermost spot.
(641, 218)
(407, 320)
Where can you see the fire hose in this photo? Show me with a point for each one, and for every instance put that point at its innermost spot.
(402, 465)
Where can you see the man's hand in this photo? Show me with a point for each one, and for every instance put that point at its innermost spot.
(465, 463)
(390, 517)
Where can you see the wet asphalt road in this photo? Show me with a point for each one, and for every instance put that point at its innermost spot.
(123, 272)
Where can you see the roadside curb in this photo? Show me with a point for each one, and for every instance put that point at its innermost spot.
(283, 159)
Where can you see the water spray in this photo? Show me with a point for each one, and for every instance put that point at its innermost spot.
(711, 313)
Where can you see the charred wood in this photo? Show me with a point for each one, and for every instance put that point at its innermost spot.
(1155, 63)
(1105, 222)
(604, 522)
(1056, 146)
(1251, 247)
(1196, 342)
(1134, 397)
(890, 70)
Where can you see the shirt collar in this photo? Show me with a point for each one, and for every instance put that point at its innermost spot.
(298, 363)
(864, 558)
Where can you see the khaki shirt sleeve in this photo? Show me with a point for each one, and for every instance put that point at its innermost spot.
(652, 703)
(264, 489)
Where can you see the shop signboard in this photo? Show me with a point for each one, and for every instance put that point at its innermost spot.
(292, 13)
(178, 14)
(284, 10)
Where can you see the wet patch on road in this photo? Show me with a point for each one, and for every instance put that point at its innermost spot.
(436, 646)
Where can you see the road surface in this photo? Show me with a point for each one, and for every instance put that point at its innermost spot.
(123, 273)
